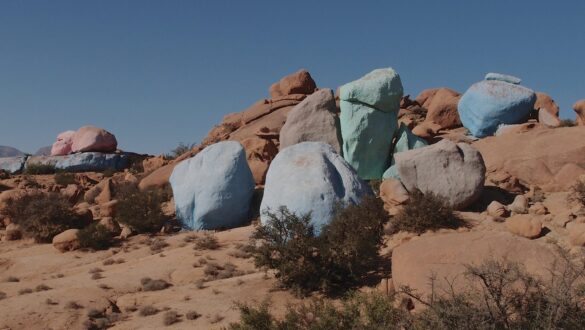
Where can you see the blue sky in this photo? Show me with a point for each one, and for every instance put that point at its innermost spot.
(156, 73)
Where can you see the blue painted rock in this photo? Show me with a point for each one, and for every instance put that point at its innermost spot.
(405, 140)
(310, 177)
(12, 164)
(503, 77)
(214, 189)
(83, 162)
(491, 103)
(369, 109)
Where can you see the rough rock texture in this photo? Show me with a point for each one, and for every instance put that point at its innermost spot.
(93, 139)
(497, 209)
(503, 77)
(83, 162)
(455, 172)
(579, 108)
(63, 144)
(576, 234)
(524, 225)
(153, 163)
(259, 153)
(405, 140)
(535, 158)
(12, 164)
(490, 103)
(548, 119)
(214, 189)
(393, 193)
(311, 177)
(369, 109)
(519, 205)
(313, 119)
(441, 105)
(544, 101)
(299, 82)
(66, 241)
(158, 178)
(445, 256)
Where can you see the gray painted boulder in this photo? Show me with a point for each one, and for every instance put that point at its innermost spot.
(12, 165)
(83, 162)
(455, 172)
(313, 120)
(214, 189)
(310, 177)
(405, 140)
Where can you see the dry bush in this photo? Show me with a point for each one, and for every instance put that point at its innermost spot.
(148, 310)
(2, 295)
(43, 216)
(170, 317)
(149, 284)
(141, 210)
(424, 212)
(567, 123)
(64, 179)
(192, 315)
(206, 242)
(39, 169)
(73, 305)
(25, 291)
(42, 287)
(95, 236)
(12, 279)
(215, 271)
(576, 194)
(157, 245)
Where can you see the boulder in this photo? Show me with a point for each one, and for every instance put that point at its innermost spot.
(576, 234)
(393, 193)
(12, 165)
(544, 101)
(548, 119)
(442, 108)
(524, 225)
(158, 178)
(93, 139)
(106, 192)
(455, 172)
(310, 177)
(314, 119)
(153, 163)
(299, 82)
(214, 189)
(445, 257)
(405, 140)
(66, 241)
(497, 209)
(73, 193)
(579, 108)
(259, 153)
(63, 144)
(490, 103)
(369, 109)
(503, 77)
(83, 162)
(519, 205)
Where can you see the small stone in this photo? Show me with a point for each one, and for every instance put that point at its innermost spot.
(524, 225)
(519, 205)
(67, 240)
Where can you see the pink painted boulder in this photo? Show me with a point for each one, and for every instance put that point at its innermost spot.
(93, 139)
(62, 146)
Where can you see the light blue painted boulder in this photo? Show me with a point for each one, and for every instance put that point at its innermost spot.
(12, 165)
(83, 162)
(503, 77)
(214, 189)
(490, 103)
(310, 177)
(369, 109)
(405, 140)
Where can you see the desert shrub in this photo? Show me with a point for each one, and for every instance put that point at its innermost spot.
(157, 244)
(25, 291)
(424, 212)
(170, 317)
(42, 287)
(576, 194)
(215, 271)
(43, 216)
(375, 185)
(149, 284)
(148, 310)
(73, 305)
(141, 210)
(95, 236)
(64, 179)
(12, 279)
(37, 169)
(192, 315)
(567, 123)
(109, 172)
(179, 150)
(2, 295)
(346, 249)
(206, 242)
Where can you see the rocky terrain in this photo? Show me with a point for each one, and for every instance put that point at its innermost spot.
(497, 154)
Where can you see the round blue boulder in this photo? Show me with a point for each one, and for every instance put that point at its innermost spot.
(310, 177)
(490, 103)
(214, 189)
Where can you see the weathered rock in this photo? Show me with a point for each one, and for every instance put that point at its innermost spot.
(405, 140)
(313, 119)
(426, 130)
(519, 205)
(576, 234)
(455, 172)
(93, 139)
(153, 163)
(299, 82)
(214, 189)
(524, 225)
(579, 108)
(369, 109)
(538, 209)
(547, 119)
(441, 107)
(393, 193)
(158, 178)
(106, 192)
(259, 153)
(73, 193)
(490, 103)
(12, 164)
(66, 241)
(497, 209)
(13, 232)
(445, 257)
(503, 77)
(83, 162)
(63, 144)
(111, 225)
(310, 177)
(544, 101)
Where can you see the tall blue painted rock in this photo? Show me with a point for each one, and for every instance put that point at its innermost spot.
(405, 140)
(83, 162)
(311, 177)
(369, 109)
(214, 189)
(490, 103)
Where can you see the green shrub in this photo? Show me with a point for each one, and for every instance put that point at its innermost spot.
(43, 216)
(346, 249)
(37, 169)
(64, 179)
(141, 210)
(424, 212)
(179, 150)
(576, 194)
(95, 236)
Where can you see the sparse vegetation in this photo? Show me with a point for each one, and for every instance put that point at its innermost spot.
(109, 172)
(13, 279)
(25, 291)
(141, 210)
(206, 242)
(576, 194)
(567, 123)
(2, 295)
(64, 179)
(157, 244)
(95, 236)
(43, 216)
(215, 271)
(149, 284)
(170, 317)
(38, 169)
(73, 305)
(179, 150)
(148, 310)
(42, 287)
(336, 259)
(424, 212)
(192, 315)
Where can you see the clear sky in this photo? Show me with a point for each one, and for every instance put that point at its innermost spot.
(156, 73)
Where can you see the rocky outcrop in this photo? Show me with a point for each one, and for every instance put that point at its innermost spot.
(405, 140)
(544, 101)
(67, 240)
(441, 105)
(259, 153)
(299, 82)
(93, 139)
(213, 190)
(369, 109)
(310, 177)
(10, 152)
